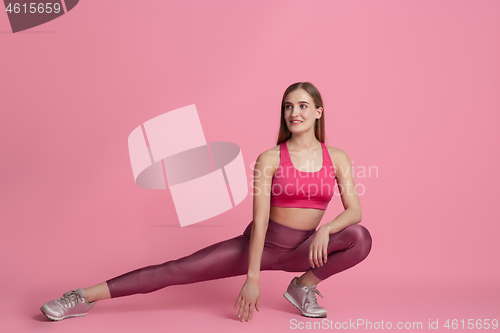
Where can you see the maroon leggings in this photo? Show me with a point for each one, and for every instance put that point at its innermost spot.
(285, 249)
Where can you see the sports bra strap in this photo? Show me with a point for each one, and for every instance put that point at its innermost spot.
(326, 155)
(284, 156)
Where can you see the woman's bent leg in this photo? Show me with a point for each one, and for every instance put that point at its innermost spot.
(223, 259)
(346, 249)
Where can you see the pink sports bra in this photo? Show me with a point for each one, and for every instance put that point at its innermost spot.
(294, 188)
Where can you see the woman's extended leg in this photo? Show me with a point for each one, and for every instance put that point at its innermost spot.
(97, 292)
(223, 259)
(220, 260)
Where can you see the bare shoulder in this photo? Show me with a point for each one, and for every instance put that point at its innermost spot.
(339, 158)
(336, 153)
(270, 158)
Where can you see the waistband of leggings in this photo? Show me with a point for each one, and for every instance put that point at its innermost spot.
(275, 225)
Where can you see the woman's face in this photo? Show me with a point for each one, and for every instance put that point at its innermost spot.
(300, 113)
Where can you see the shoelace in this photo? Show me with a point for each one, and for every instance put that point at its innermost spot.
(311, 297)
(69, 298)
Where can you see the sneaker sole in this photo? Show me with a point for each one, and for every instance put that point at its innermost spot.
(292, 301)
(59, 319)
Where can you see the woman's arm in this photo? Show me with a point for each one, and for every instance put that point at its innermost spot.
(348, 194)
(263, 175)
(250, 292)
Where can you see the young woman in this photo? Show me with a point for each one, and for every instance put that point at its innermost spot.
(293, 184)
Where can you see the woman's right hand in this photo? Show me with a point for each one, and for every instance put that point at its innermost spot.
(248, 298)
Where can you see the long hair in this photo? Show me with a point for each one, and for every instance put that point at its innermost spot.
(319, 128)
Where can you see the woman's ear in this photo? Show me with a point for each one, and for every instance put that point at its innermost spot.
(319, 113)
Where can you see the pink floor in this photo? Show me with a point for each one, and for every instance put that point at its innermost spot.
(207, 307)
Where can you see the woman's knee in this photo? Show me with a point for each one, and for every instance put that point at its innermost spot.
(361, 238)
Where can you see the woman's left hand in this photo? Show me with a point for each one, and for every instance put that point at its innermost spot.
(318, 248)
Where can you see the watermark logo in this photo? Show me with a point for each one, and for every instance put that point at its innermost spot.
(290, 182)
(204, 179)
(24, 15)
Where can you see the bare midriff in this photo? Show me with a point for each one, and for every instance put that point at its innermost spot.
(297, 218)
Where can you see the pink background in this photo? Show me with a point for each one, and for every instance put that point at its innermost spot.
(411, 87)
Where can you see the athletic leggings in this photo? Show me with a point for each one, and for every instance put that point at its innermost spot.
(285, 249)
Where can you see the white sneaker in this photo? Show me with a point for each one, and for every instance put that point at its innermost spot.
(304, 299)
(72, 304)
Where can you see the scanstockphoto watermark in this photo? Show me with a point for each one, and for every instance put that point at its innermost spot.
(357, 324)
(448, 324)
(290, 181)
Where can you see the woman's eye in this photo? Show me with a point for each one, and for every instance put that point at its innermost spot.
(289, 106)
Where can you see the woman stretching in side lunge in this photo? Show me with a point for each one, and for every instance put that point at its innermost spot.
(293, 184)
